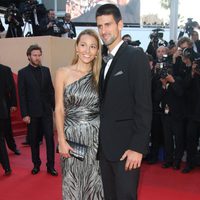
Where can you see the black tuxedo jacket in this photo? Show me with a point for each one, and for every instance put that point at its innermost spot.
(35, 101)
(172, 97)
(125, 104)
(7, 91)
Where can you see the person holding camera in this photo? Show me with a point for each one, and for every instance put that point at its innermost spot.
(50, 25)
(169, 93)
(192, 103)
(33, 12)
(15, 22)
(156, 125)
(69, 27)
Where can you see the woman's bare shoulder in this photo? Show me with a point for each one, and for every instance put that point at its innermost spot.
(64, 71)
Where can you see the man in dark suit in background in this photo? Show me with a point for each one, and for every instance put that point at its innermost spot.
(50, 25)
(125, 108)
(11, 103)
(6, 87)
(36, 94)
(69, 27)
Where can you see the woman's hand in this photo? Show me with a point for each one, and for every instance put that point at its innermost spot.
(64, 149)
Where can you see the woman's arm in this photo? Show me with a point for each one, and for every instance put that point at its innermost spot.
(59, 112)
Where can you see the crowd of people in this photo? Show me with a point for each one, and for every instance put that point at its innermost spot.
(175, 98)
(107, 110)
(37, 20)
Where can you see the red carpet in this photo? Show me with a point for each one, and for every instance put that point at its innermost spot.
(156, 183)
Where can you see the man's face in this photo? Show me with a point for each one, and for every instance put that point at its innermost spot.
(67, 17)
(161, 51)
(109, 30)
(35, 58)
(51, 15)
(195, 36)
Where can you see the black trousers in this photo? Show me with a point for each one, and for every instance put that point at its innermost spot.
(118, 184)
(173, 138)
(9, 135)
(28, 136)
(156, 136)
(3, 151)
(192, 135)
(45, 125)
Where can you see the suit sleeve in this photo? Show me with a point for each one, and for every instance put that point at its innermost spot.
(22, 95)
(140, 83)
(51, 91)
(12, 89)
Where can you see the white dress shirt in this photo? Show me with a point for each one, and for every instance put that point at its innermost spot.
(113, 52)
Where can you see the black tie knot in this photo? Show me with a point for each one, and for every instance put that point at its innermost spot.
(107, 57)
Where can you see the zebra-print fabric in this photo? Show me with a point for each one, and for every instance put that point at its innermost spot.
(81, 180)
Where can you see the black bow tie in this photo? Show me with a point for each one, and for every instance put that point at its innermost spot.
(107, 58)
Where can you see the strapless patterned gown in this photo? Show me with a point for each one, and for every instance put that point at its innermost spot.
(81, 180)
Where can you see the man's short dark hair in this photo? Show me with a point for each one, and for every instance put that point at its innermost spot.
(48, 11)
(32, 48)
(109, 9)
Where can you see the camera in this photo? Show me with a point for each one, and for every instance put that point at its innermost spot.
(157, 38)
(28, 9)
(193, 56)
(135, 43)
(11, 14)
(164, 67)
(190, 25)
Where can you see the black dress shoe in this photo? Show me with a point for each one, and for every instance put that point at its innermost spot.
(166, 165)
(17, 152)
(35, 170)
(187, 169)
(52, 171)
(8, 172)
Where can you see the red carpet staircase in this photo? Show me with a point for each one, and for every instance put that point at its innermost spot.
(18, 126)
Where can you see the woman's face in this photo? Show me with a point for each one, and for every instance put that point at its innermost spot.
(87, 49)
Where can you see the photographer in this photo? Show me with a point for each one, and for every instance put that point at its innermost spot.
(156, 126)
(169, 93)
(33, 13)
(50, 25)
(192, 103)
(69, 28)
(156, 41)
(127, 38)
(14, 21)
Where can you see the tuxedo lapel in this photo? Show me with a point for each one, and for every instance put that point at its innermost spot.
(116, 57)
(101, 79)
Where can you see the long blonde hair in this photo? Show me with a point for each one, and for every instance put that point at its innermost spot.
(96, 63)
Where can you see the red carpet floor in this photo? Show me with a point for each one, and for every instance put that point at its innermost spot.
(156, 183)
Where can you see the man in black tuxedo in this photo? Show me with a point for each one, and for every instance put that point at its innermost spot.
(125, 108)
(69, 27)
(6, 99)
(36, 94)
(50, 25)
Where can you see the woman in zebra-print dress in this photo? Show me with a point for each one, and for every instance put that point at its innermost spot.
(77, 119)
